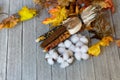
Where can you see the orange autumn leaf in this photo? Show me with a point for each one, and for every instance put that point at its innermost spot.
(106, 41)
(9, 22)
(110, 2)
(58, 14)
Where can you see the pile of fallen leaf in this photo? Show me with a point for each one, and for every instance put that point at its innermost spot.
(67, 18)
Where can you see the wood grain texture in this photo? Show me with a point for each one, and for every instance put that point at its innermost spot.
(43, 69)
(57, 73)
(29, 47)
(116, 21)
(14, 46)
(73, 70)
(113, 52)
(112, 55)
(22, 59)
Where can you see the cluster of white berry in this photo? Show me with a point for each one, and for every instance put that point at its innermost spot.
(75, 47)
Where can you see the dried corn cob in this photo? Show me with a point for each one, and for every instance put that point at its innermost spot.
(46, 35)
(54, 43)
(53, 36)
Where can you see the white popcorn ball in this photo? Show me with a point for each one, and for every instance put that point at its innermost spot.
(74, 39)
(61, 50)
(61, 44)
(84, 48)
(84, 39)
(50, 61)
(79, 44)
(78, 56)
(77, 49)
(64, 65)
(67, 43)
(72, 48)
(70, 60)
(85, 56)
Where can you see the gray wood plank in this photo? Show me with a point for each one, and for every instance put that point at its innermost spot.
(101, 66)
(113, 62)
(113, 53)
(87, 70)
(14, 46)
(116, 22)
(58, 73)
(73, 72)
(116, 17)
(29, 47)
(4, 7)
(43, 69)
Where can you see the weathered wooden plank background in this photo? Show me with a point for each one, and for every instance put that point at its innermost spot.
(22, 59)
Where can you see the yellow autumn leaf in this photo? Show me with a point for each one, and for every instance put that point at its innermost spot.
(26, 13)
(58, 14)
(94, 50)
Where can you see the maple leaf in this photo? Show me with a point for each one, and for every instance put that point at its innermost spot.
(58, 14)
(26, 13)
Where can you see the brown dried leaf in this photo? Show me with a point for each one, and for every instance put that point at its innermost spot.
(64, 2)
(9, 22)
(100, 27)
